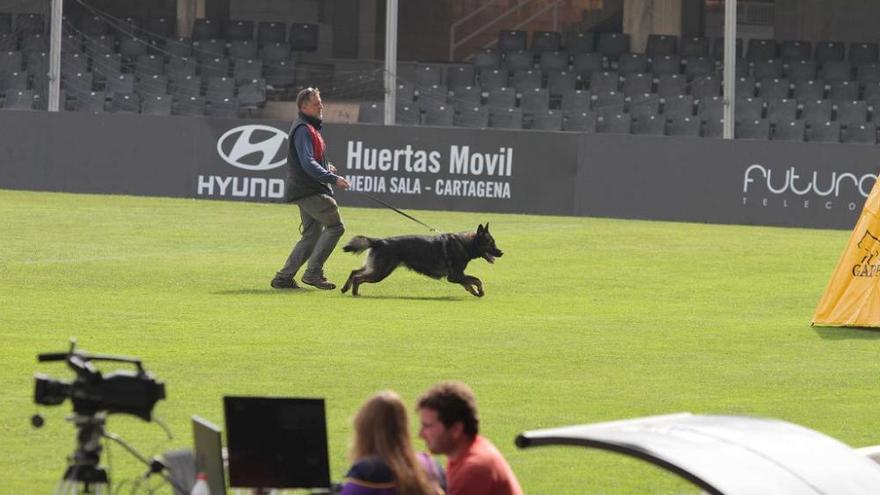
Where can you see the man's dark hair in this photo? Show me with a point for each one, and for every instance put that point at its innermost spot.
(454, 402)
(303, 96)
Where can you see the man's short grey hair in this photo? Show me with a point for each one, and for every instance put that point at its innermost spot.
(303, 96)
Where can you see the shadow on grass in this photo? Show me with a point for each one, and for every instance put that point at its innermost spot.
(412, 298)
(260, 292)
(847, 333)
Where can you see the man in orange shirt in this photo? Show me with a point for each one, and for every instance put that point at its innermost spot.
(450, 426)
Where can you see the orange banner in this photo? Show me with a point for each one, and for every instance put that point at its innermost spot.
(852, 298)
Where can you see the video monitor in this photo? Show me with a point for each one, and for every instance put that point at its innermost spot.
(209, 453)
(276, 442)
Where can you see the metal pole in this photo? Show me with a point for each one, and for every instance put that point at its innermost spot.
(55, 56)
(390, 60)
(729, 67)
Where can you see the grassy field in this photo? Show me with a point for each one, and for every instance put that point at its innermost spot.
(584, 320)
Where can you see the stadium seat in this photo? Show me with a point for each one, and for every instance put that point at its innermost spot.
(710, 109)
(548, 120)
(851, 112)
(106, 66)
(613, 124)
(800, 70)
(11, 61)
(636, 84)
(805, 91)
(560, 82)
(91, 102)
(519, 60)
(761, 49)
(219, 88)
(193, 106)
(252, 94)
(698, 67)
(5, 22)
(511, 40)
(465, 97)
(487, 58)
(749, 109)
(713, 128)
(774, 88)
(706, 87)
(247, 69)
(440, 115)
(816, 112)
(781, 110)
(608, 103)
(269, 32)
(659, 45)
(579, 42)
(843, 90)
(227, 108)
(131, 48)
(863, 53)
(237, 30)
(829, 51)
(459, 76)
(29, 23)
(493, 78)
(19, 100)
(407, 115)
(474, 117)
(501, 98)
(652, 125)
(432, 96)
(510, 118)
(767, 69)
(526, 80)
(826, 132)
(124, 103)
(789, 130)
(585, 64)
(865, 133)
(121, 84)
(159, 28)
(669, 85)
(665, 64)
(34, 43)
(149, 65)
(156, 105)
(752, 129)
(554, 61)
(178, 47)
(180, 67)
(219, 67)
(868, 73)
(209, 49)
(872, 92)
(275, 52)
(280, 74)
(836, 70)
(694, 46)
(71, 62)
(795, 50)
(579, 122)
(683, 126)
(8, 42)
(243, 49)
(186, 86)
(632, 63)
(534, 101)
(643, 105)
(745, 87)
(155, 85)
(14, 81)
(613, 45)
(546, 41)
(678, 106)
(576, 101)
(204, 29)
(718, 49)
(428, 75)
(604, 81)
(405, 92)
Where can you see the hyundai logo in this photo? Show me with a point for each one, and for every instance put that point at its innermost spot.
(253, 147)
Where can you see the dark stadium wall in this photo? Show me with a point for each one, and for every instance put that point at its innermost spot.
(821, 20)
(818, 185)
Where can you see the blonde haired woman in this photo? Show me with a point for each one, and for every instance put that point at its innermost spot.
(384, 462)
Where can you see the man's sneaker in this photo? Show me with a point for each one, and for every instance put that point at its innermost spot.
(319, 282)
(284, 283)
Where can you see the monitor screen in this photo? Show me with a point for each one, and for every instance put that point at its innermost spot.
(209, 453)
(276, 442)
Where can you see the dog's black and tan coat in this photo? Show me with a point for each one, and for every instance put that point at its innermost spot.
(444, 255)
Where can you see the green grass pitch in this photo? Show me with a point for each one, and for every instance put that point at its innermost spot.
(585, 320)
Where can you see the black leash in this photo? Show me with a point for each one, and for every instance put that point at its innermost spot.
(414, 219)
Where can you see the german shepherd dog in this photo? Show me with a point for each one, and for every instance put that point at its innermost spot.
(444, 255)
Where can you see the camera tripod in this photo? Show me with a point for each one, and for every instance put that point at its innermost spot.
(84, 476)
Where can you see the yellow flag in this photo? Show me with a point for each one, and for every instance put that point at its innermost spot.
(852, 298)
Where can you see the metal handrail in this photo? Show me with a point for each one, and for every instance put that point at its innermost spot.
(453, 44)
